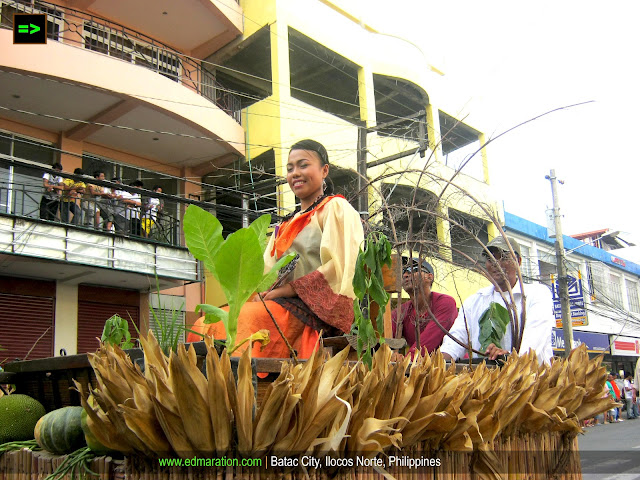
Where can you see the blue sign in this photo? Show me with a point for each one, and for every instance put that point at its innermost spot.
(576, 301)
(595, 342)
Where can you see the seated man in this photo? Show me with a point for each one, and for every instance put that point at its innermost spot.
(417, 280)
(502, 270)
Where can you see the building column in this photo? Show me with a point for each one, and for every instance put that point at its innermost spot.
(485, 161)
(444, 232)
(366, 96)
(66, 319)
(280, 74)
(433, 132)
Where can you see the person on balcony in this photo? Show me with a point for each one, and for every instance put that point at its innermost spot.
(152, 208)
(133, 202)
(417, 315)
(104, 206)
(326, 232)
(119, 208)
(53, 188)
(73, 190)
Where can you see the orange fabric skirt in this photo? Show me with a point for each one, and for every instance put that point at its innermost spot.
(254, 317)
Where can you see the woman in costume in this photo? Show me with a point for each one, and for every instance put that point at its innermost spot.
(326, 232)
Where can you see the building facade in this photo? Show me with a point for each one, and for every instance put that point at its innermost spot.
(118, 88)
(605, 283)
(203, 98)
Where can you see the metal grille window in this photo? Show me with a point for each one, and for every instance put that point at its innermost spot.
(615, 290)
(597, 283)
(526, 268)
(632, 296)
(116, 44)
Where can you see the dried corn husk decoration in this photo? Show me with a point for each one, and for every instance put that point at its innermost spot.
(325, 406)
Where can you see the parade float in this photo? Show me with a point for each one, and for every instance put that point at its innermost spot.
(199, 412)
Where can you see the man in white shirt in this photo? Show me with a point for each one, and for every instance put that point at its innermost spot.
(502, 269)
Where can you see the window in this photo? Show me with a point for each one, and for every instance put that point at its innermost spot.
(465, 249)
(115, 44)
(632, 296)
(615, 290)
(422, 213)
(597, 282)
(21, 186)
(547, 266)
(526, 268)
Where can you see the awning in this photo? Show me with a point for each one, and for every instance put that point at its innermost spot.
(595, 342)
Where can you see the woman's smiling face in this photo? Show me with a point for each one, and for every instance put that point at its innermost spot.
(305, 173)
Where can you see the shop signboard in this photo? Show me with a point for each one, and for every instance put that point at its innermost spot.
(595, 342)
(625, 346)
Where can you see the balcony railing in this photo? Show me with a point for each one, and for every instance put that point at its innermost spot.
(100, 35)
(156, 220)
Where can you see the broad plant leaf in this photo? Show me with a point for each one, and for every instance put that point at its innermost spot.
(202, 234)
(239, 268)
(493, 325)
(359, 277)
(260, 226)
(272, 275)
(213, 314)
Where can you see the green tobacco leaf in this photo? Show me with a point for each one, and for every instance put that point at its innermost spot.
(359, 278)
(370, 256)
(202, 234)
(271, 276)
(260, 226)
(377, 291)
(493, 325)
(239, 269)
(213, 314)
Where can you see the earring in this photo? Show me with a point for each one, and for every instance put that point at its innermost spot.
(324, 185)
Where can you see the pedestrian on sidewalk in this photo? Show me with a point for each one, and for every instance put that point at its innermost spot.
(630, 397)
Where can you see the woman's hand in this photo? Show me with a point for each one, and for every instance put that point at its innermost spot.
(284, 291)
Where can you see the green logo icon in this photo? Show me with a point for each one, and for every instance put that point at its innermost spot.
(29, 28)
(25, 28)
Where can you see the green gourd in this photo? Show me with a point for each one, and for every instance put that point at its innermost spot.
(92, 442)
(60, 431)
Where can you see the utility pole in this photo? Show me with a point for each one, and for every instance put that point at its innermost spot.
(563, 288)
(363, 195)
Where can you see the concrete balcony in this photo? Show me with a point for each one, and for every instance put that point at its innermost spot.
(76, 247)
(100, 82)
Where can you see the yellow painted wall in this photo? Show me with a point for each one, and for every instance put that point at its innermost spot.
(66, 320)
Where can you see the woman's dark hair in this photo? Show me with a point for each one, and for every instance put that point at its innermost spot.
(78, 171)
(155, 187)
(137, 183)
(57, 166)
(313, 146)
(319, 149)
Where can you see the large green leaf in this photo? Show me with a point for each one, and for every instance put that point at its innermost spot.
(239, 266)
(359, 279)
(272, 275)
(493, 325)
(203, 235)
(260, 226)
(213, 314)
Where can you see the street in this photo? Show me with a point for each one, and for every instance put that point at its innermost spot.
(612, 451)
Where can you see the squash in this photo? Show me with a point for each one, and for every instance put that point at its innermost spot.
(92, 442)
(60, 431)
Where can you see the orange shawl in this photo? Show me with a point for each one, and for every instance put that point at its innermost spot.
(287, 231)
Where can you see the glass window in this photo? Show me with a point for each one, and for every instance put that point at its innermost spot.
(632, 296)
(615, 290)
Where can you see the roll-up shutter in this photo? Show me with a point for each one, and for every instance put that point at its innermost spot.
(24, 321)
(92, 314)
